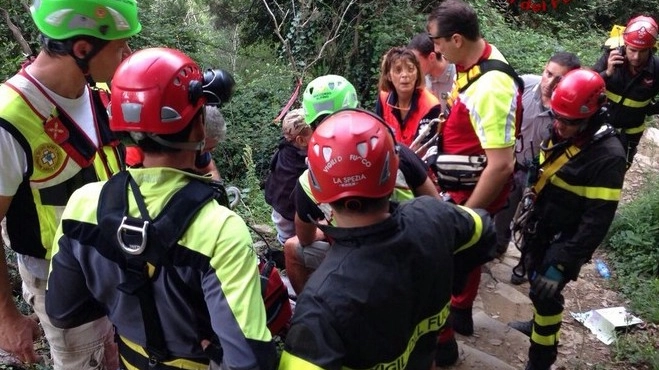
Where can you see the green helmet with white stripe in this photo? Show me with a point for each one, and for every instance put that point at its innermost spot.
(326, 95)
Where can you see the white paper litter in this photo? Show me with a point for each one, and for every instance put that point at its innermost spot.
(603, 322)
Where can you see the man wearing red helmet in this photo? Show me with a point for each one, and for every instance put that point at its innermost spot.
(182, 293)
(570, 207)
(631, 72)
(382, 293)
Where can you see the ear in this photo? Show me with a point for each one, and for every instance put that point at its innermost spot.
(300, 141)
(81, 48)
(457, 39)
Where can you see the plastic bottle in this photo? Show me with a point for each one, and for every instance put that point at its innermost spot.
(602, 268)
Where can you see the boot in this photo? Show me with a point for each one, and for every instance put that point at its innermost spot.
(531, 367)
(541, 357)
(524, 327)
(462, 321)
(501, 249)
(447, 353)
(517, 280)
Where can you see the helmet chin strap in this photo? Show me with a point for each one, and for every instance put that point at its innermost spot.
(191, 145)
(83, 63)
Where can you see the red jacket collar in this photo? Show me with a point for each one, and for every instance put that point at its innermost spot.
(485, 56)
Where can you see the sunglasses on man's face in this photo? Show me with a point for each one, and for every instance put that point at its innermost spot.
(567, 121)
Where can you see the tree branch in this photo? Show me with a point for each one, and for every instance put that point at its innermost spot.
(334, 34)
(16, 32)
(277, 30)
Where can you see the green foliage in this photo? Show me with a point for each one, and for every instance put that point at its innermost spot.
(639, 351)
(189, 28)
(260, 96)
(254, 209)
(12, 63)
(381, 27)
(632, 239)
(529, 39)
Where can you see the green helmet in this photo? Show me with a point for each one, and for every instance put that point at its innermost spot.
(326, 95)
(103, 19)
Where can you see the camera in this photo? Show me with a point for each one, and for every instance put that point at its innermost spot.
(218, 86)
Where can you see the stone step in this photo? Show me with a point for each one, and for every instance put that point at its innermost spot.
(472, 358)
(492, 340)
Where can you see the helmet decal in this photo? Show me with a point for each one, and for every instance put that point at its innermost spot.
(79, 21)
(362, 149)
(131, 112)
(119, 20)
(56, 18)
(385, 174)
(327, 154)
(169, 114)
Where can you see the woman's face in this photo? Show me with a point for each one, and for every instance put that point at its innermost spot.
(403, 76)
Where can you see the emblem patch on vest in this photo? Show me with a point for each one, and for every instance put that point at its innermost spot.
(56, 130)
(48, 157)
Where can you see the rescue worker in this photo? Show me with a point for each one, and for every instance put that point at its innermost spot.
(479, 132)
(382, 293)
(576, 196)
(54, 138)
(631, 72)
(181, 307)
(304, 252)
(403, 101)
(536, 122)
(322, 96)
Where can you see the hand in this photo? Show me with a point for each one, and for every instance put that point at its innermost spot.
(546, 285)
(111, 355)
(615, 60)
(17, 336)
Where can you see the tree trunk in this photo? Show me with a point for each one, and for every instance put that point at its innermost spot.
(18, 36)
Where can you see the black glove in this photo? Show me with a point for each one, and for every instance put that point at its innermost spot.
(546, 285)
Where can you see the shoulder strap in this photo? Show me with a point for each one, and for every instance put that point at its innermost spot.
(174, 219)
(487, 66)
(166, 229)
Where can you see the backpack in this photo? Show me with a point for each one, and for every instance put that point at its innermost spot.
(145, 241)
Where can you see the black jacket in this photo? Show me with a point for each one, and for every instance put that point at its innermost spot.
(574, 210)
(629, 97)
(286, 166)
(383, 291)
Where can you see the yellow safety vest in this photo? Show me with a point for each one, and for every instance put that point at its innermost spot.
(53, 173)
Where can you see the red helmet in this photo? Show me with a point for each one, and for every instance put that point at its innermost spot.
(579, 94)
(641, 32)
(156, 91)
(352, 154)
